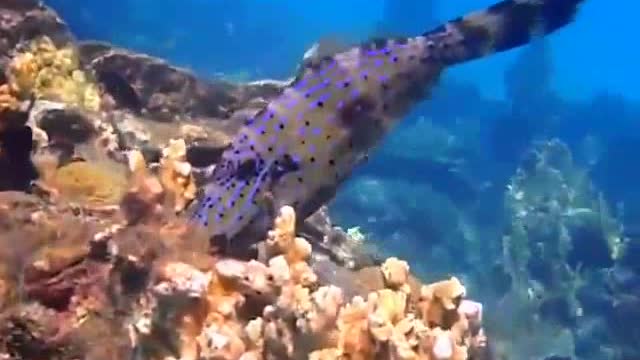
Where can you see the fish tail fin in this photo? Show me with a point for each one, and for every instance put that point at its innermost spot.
(501, 27)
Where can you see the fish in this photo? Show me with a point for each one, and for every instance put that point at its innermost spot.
(120, 90)
(299, 148)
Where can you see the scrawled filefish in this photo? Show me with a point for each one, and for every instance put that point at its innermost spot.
(306, 142)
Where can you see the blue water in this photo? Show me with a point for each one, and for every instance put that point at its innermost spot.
(597, 54)
(436, 192)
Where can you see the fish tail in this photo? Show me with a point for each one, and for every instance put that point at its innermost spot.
(501, 27)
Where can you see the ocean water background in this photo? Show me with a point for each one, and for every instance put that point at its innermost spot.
(434, 193)
(597, 54)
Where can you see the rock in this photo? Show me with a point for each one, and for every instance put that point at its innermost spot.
(25, 20)
(168, 93)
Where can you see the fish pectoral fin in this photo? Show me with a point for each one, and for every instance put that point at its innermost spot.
(266, 202)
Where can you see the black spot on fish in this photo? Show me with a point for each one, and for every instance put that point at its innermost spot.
(120, 90)
(284, 166)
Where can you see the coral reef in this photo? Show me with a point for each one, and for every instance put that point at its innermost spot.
(564, 253)
(78, 277)
(27, 20)
(164, 92)
(46, 72)
(97, 261)
(176, 175)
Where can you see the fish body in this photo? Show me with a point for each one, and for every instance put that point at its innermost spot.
(306, 142)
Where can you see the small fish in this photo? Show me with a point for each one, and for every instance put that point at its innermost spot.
(120, 90)
(306, 142)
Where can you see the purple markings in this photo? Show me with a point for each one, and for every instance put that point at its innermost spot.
(302, 131)
(329, 67)
(316, 131)
(315, 88)
(268, 116)
(291, 103)
(236, 195)
(340, 104)
(300, 86)
(302, 83)
(376, 52)
(378, 62)
(321, 99)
